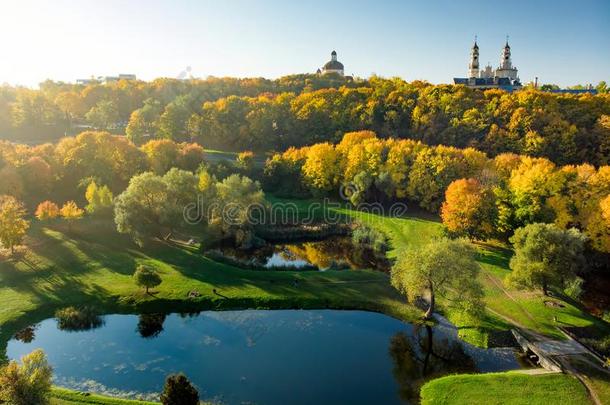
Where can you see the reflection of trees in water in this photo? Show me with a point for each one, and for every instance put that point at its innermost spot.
(26, 335)
(336, 252)
(423, 356)
(150, 325)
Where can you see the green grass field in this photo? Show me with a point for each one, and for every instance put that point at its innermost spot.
(60, 396)
(511, 388)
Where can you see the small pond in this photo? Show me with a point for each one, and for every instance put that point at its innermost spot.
(260, 357)
(335, 252)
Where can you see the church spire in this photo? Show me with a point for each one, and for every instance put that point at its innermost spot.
(473, 66)
(505, 60)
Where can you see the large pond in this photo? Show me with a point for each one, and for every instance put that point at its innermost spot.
(260, 357)
(335, 252)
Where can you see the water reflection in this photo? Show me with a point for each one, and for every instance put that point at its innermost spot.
(337, 253)
(422, 356)
(26, 335)
(150, 325)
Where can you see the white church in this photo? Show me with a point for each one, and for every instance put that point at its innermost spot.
(332, 66)
(504, 77)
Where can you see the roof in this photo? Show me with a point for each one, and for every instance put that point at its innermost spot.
(333, 65)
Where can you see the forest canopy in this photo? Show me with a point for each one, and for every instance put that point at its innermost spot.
(300, 110)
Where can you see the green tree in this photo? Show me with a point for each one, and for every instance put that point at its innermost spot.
(146, 277)
(103, 115)
(238, 204)
(13, 224)
(444, 267)
(173, 123)
(545, 256)
(27, 383)
(178, 390)
(154, 206)
(138, 210)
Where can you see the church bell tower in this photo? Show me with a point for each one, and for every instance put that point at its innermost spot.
(473, 67)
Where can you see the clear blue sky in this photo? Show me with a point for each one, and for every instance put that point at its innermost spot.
(563, 42)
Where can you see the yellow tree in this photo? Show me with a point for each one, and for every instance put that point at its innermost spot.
(70, 212)
(47, 210)
(162, 155)
(598, 227)
(468, 209)
(13, 224)
(605, 207)
(321, 168)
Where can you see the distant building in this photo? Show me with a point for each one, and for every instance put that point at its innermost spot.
(332, 66)
(504, 77)
(588, 90)
(106, 79)
(121, 76)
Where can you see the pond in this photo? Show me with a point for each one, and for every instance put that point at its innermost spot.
(260, 357)
(334, 252)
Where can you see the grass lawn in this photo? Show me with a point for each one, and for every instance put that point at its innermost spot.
(61, 396)
(505, 388)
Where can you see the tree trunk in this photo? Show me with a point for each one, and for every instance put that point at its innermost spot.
(12, 250)
(430, 310)
(545, 287)
(146, 290)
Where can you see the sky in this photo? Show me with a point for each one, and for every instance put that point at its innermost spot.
(562, 42)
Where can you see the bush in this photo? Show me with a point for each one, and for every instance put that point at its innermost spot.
(27, 383)
(371, 238)
(178, 390)
(75, 319)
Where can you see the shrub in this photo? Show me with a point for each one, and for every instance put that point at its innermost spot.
(372, 238)
(75, 319)
(178, 390)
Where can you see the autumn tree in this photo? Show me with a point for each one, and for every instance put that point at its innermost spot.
(162, 155)
(443, 267)
(468, 209)
(545, 256)
(27, 383)
(13, 224)
(245, 161)
(321, 168)
(70, 212)
(47, 210)
(190, 156)
(99, 199)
